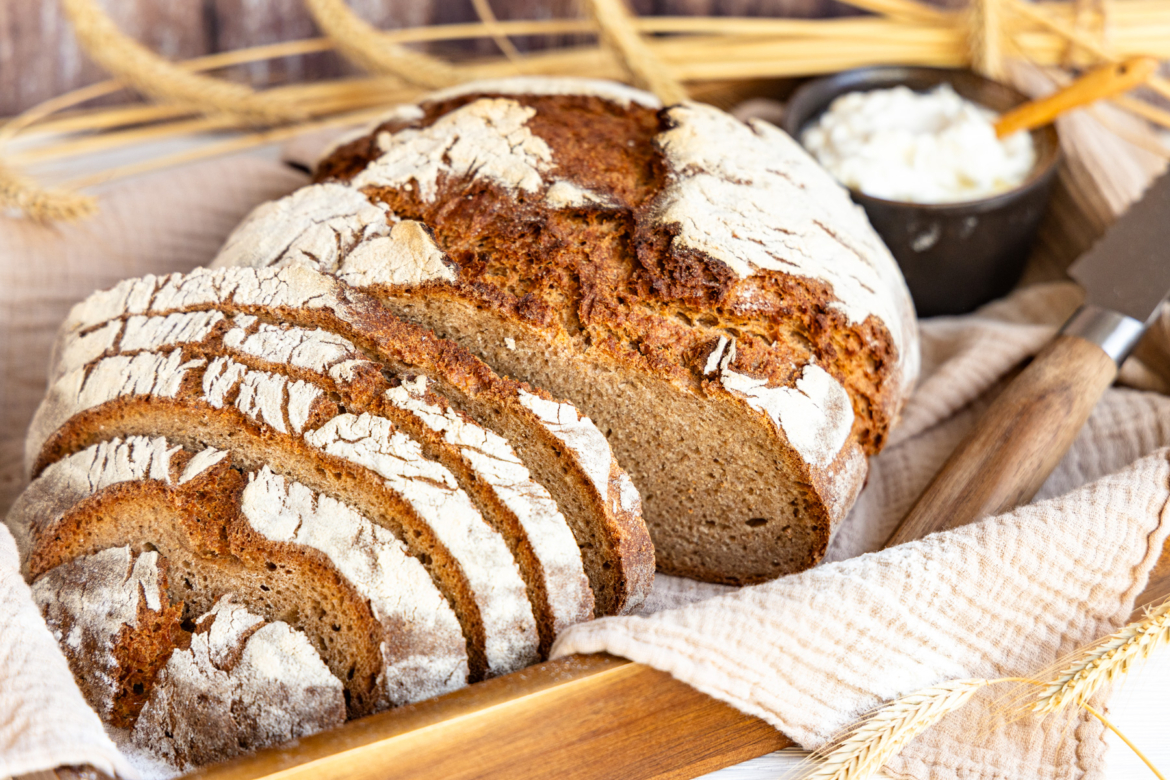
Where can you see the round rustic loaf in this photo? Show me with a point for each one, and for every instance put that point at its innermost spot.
(260, 504)
(697, 286)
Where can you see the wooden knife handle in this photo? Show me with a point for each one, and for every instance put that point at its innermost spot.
(1018, 441)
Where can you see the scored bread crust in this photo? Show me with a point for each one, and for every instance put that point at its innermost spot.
(252, 683)
(293, 427)
(370, 608)
(485, 464)
(110, 614)
(697, 285)
(242, 684)
(563, 451)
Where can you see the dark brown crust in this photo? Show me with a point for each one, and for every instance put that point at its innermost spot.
(203, 518)
(613, 277)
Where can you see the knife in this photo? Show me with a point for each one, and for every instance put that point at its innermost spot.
(1027, 430)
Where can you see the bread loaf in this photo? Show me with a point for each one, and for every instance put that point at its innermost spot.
(305, 500)
(696, 285)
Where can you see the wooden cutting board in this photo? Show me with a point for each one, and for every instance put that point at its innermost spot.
(578, 717)
(590, 716)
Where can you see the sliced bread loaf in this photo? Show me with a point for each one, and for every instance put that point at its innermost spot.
(265, 419)
(237, 683)
(697, 285)
(563, 451)
(484, 463)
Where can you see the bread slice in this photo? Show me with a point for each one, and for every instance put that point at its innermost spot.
(562, 450)
(237, 683)
(362, 460)
(111, 616)
(285, 553)
(697, 285)
(483, 462)
(242, 684)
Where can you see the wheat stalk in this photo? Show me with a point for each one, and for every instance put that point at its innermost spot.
(364, 45)
(701, 51)
(1105, 661)
(483, 10)
(1107, 724)
(878, 738)
(159, 78)
(19, 192)
(646, 69)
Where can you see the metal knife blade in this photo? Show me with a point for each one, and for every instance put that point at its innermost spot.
(1128, 270)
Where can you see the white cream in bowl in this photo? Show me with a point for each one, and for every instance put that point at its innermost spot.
(918, 147)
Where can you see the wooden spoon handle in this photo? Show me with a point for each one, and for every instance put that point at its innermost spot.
(1018, 441)
(1103, 82)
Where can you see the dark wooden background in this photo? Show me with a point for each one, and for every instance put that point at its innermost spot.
(39, 57)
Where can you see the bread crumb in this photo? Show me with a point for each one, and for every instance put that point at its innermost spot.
(510, 343)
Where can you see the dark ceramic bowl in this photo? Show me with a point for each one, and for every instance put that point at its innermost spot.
(955, 256)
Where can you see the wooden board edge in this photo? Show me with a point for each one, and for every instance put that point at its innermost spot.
(580, 716)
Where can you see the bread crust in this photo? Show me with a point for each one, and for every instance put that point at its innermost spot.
(242, 684)
(235, 682)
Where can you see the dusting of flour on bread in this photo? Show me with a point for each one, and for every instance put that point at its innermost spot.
(487, 139)
(756, 201)
(253, 684)
(376, 563)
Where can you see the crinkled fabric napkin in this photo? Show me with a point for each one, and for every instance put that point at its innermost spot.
(1008, 596)
(808, 653)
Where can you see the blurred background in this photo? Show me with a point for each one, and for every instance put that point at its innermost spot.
(39, 57)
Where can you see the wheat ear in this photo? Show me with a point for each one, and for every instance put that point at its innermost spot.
(878, 738)
(1105, 661)
(17, 191)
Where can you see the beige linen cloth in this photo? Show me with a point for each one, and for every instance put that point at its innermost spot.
(807, 653)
